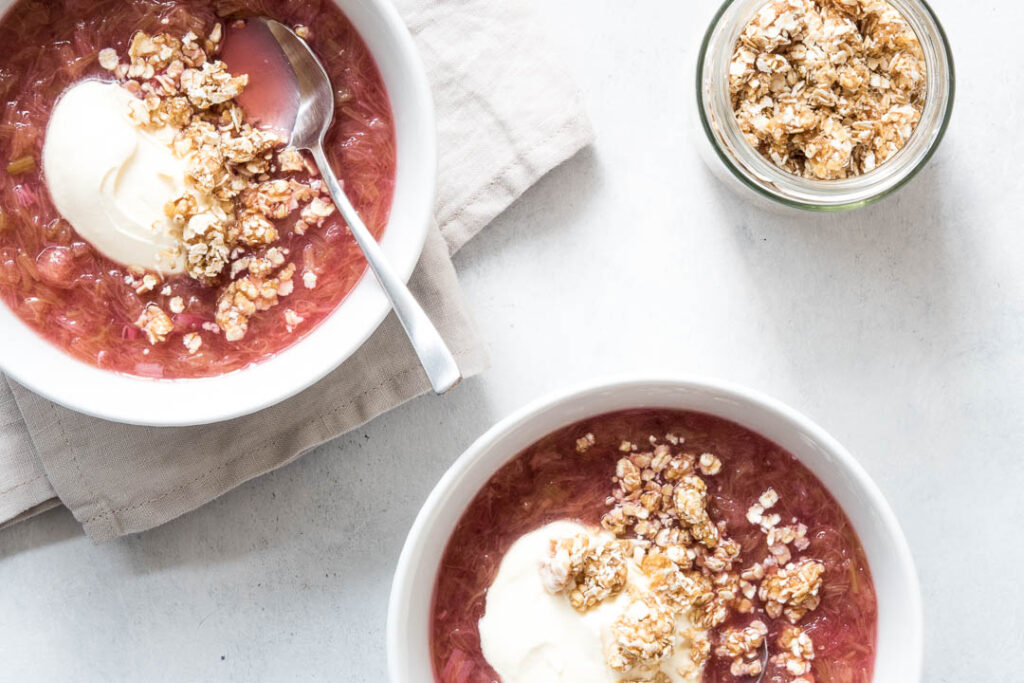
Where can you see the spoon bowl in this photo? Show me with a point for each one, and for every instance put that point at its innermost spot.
(315, 111)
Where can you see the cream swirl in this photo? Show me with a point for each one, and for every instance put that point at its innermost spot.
(111, 179)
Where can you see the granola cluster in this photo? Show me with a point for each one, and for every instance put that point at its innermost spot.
(643, 634)
(797, 653)
(743, 646)
(779, 537)
(659, 527)
(587, 571)
(792, 590)
(240, 180)
(155, 323)
(828, 89)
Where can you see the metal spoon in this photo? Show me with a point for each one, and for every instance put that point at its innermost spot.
(764, 661)
(315, 113)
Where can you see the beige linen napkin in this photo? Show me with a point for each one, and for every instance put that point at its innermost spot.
(507, 114)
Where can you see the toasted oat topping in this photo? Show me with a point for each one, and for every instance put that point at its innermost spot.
(247, 295)
(643, 634)
(709, 464)
(659, 514)
(828, 89)
(192, 342)
(797, 651)
(744, 647)
(289, 160)
(584, 443)
(309, 279)
(108, 59)
(793, 590)
(587, 572)
(237, 186)
(779, 538)
(211, 84)
(155, 323)
(147, 284)
(292, 319)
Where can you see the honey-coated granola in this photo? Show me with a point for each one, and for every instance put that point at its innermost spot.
(659, 526)
(240, 181)
(828, 89)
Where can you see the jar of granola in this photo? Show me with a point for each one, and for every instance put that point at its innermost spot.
(822, 104)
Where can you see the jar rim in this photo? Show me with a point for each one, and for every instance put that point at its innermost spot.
(759, 174)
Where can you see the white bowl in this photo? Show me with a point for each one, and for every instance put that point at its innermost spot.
(48, 371)
(899, 648)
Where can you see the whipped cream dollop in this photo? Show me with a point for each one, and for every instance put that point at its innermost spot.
(529, 635)
(110, 178)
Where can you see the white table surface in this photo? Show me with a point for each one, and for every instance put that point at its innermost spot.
(899, 328)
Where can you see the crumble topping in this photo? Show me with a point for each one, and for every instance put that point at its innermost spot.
(586, 571)
(292, 319)
(792, 590)
(155, 323)
(192, 342)
(744, 647)
(584, 443)
(147, 284)
(797, 652)
(289, 160)
(828, 89)
(643, 634)
(108, 59)
(211, 84)
(245, 296)
(661, 526)
(710, 465)
(239, 180)
(309, 279)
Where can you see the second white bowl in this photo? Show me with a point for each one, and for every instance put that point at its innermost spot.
(899, 647)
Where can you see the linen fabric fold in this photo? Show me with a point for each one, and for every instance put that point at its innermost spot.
(24, 486)
(507, 114)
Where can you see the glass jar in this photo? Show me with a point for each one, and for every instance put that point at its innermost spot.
(736, 161)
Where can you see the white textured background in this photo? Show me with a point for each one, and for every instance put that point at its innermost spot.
(899, 328)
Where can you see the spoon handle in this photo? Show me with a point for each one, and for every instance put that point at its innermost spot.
(434, 355)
